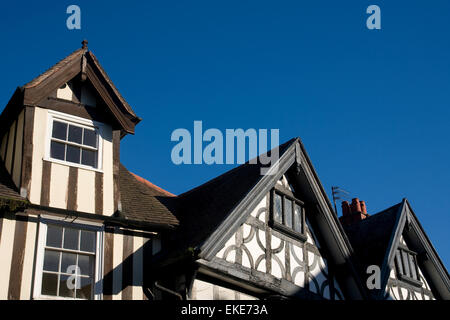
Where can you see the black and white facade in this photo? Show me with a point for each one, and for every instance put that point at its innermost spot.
(69, 207)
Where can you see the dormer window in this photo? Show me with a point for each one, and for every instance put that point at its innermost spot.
(287, 213)
(74, 141)
(406, 265)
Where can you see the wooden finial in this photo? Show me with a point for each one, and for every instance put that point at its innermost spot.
(84, 44)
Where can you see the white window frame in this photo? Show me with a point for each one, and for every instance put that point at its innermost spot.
(80, 122)
(42, 240)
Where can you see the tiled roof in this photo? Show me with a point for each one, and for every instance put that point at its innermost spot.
(370, 237)
(202, 209)
(71, 57)
(77, 54)
(152, 186)
(143, 201)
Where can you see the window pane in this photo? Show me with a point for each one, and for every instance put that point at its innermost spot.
(57, 150)
(71, 239)
(398, 260)
(73, 154)
(297, 218)
(54, 236)
(67, 260)
(86, 264)
(85, 292)
(59, 130)
(90, 138)
(406, 263)
(87, 241)
(412, 266)
(277, 209)
(51, 260)
(89, 158)
(75, 134)
(67, 286)
(288, 213)
(49, 284)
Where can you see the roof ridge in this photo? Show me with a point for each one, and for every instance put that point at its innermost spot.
(108, 79)
(233, 170)
(44, 75)
(151, 185)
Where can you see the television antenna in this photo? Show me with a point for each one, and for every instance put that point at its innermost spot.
(339, 194)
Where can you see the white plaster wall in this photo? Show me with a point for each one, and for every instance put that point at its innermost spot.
(86, 191)
(108, 182)
(117, 266)
(59, 182)
(66, 93)
(39, 142)
(6, 252)
(28, 261)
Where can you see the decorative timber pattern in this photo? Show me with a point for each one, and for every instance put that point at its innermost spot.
(398, 289)
(265, 251)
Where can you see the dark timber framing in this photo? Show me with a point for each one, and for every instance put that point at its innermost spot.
(45, 183)
(98, 192)
(13, 156)
(116, 168)
(27, 151)
(408, 225)
(322, 211)
(72, 189)
(15, 279)
(127, 270)
(108, 264)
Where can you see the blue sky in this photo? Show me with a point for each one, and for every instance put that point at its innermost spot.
(371, 106)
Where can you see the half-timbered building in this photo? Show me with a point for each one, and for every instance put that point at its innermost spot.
(69, 207)
(76, 224)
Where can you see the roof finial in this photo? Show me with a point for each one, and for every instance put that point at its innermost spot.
(84, 44)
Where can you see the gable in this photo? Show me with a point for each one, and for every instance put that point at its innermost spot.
(78, 92)
(80, 79)
(398, 286)
(272, 256)
(391, 237)
(224, 204)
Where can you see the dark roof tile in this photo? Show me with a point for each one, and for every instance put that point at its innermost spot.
(144, 201)
(370, 237)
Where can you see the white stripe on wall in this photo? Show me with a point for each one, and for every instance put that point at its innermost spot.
(108, 183)
(39, 139)
(59, 183)
(6, 252)
(86, 191)
(28, 261)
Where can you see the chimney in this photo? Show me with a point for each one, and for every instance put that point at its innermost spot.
(355, 207)
(363, 207)
(345, 208)
(353, 212)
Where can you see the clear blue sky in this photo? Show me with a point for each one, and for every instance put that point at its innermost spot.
(372, 107)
